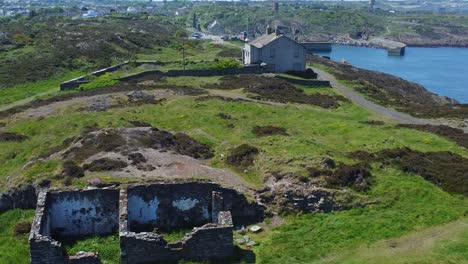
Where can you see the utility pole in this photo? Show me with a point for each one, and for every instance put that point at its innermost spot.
(247, 32)
(183, 54)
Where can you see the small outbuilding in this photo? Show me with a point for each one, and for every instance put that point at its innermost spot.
(277, 50)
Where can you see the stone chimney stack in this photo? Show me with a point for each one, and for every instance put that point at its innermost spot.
(268, 30)
(277, 31)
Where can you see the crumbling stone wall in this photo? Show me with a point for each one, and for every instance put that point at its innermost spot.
(23, 197)
(135, 212)
(79, 213)
(43, 248)
(71, 213)
(168, 205)
(185, 205)
(84, 258)
(174, 205)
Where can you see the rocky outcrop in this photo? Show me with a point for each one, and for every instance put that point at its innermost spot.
(285, 194)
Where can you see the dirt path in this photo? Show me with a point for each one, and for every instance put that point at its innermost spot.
(27, 100)
(415, 247)
(358, 99)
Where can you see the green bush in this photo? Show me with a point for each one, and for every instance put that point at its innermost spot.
(227, 64)
(102, 81)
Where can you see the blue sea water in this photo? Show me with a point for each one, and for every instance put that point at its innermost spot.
(443, 71)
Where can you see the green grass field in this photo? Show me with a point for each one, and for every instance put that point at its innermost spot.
(313, 132)
(107, 246)
(20, 92)
(14, 249)
(405, 206)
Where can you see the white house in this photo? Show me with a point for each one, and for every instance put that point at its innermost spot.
(275, 49)
(90, 14)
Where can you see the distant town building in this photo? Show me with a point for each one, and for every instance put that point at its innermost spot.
(132, 10)
(275, 6)
(371, 5)
(275, 49)
(182, 11)
(90, 14)
(216, 28)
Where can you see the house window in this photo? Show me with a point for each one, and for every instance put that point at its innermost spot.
(272, 52)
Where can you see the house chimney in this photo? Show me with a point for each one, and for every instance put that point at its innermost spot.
(268, 30)
(277, 31)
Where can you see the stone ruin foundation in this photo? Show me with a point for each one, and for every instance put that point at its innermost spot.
(137, 213)
(71, 214)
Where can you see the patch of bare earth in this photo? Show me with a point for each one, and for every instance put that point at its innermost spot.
(168, 165)
(95, 103)
(145, 152)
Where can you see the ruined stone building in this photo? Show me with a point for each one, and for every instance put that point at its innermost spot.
(136, 213)
(276, 50)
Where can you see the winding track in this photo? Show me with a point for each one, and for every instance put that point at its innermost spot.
(358, 99)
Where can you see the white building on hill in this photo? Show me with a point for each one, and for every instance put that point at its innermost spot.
(275, 49)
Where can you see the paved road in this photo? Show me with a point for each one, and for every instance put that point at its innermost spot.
(358, 99)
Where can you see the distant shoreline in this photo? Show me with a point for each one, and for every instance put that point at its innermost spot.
(453, 94)
(408, 45)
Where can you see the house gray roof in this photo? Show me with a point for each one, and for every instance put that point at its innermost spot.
(267, 39)
(264, 40)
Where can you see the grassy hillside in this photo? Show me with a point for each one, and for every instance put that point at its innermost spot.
(406, 204)
(313, 131)
(402, 217)
(41, 47)
(402, 203)
(324, 22)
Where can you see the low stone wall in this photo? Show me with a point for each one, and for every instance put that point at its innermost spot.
(84, 258)
(76, 82)
(316, 83)
(251, 69)
(109, 69)
(73, 84)
(141, 75)
(22, 197)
